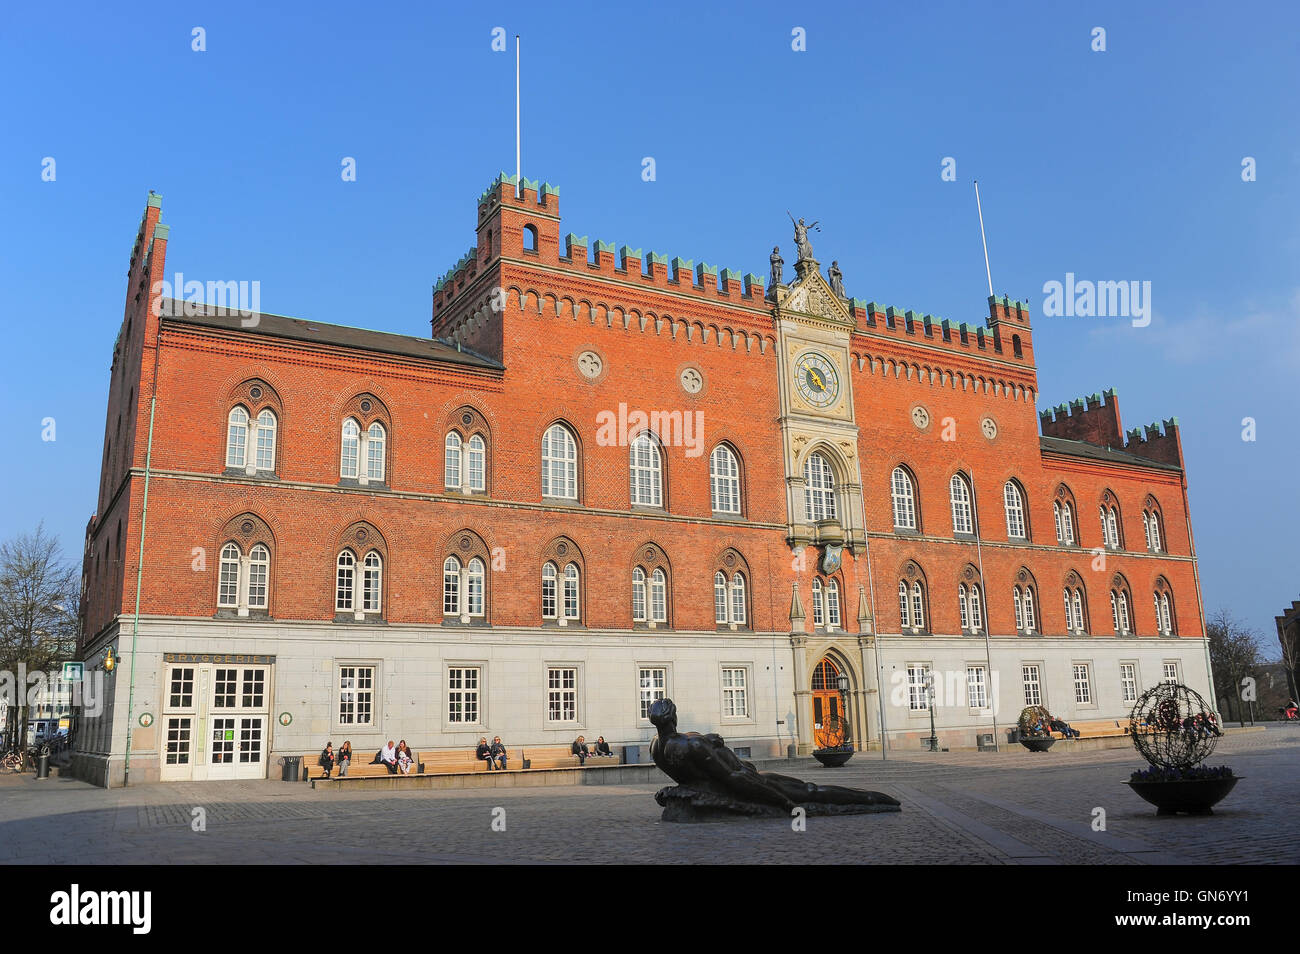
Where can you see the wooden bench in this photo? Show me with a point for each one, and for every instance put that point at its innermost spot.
(360, 766)
(561, 756)
(441, 761)
(1100, 729)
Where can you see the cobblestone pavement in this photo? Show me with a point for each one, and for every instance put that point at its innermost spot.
(1014, 807)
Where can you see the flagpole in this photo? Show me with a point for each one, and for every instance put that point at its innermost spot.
(980, 209)
(517, 168)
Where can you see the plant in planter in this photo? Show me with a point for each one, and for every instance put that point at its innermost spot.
(833, 745)
(1035, 733)
(1173, 728)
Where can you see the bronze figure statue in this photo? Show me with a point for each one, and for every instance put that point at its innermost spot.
(777, 261)
(712, 782)
(801, 240)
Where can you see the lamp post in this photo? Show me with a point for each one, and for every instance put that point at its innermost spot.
(844, 698)
(933, 740)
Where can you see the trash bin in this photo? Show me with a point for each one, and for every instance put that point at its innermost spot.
(43, 765)
(631, 755)
(291, 765)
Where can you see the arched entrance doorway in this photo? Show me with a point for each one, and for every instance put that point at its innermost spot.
(829, 728)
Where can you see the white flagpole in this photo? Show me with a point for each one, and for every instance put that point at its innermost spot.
(980, 209)
(517, 169)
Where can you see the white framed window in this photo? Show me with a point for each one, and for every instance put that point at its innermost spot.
(735, 693)
(720, 597)
(266, 440)
(1032, 680)
(658, 596)
(237, 437)
(1169, 672)
(819, 488)
(1064, 522)
(559, 463)
(357, 695)
(638, 595)
(918, 696)
(903, 495)
(344, 581)
(969, 607)
(259, 569)
(1056, 516)
(1109, 526)
(646, 466)
(826, 603)
(463, 687)
(451, 461)
(1015, 506)
(977, 694)
(372, 583)
(376, 441)
(918, 605)
(451, 586)
(1128, 684)
(1023, 597)
(724, 480)
(1031, 620)
(475, 580)
(904, 608)
(652, 685)
(477, 482)
(738, 613)
(1155, 532)
(561, 694)
(1119, 612)
(1082, 685)
(959, 492)
(351, 453)
(819, 612)
(1020, 611)
(1164, 617)
(228, 584)
(549, 575)
(1074, 611)
(571, 607)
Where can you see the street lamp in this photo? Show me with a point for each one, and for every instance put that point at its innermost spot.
(933, 740)
(844, 700)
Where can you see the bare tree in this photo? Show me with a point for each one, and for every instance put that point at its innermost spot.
(1235, 653)
(39, 593)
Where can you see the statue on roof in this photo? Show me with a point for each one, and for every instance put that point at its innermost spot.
(837, 280)
(801, 238)
(777, 262)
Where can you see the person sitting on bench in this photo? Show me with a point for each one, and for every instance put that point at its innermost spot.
(602, 747)
(579, 748)
(498, 752)
(404, 757)
(484, 753)
(1063, 727)
(387, 756)
(326, 760)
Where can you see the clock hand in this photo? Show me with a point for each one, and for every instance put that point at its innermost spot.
(816, 379)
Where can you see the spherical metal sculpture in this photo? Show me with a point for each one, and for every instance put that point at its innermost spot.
(1173, 727)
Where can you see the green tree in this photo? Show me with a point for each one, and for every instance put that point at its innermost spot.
(39, 594)
(1235, 653)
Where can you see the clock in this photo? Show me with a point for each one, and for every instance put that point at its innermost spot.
(816, 379)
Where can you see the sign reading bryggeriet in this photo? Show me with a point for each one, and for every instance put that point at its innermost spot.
(234, 659)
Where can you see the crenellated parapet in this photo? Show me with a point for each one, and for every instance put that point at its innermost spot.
(1158, 444)
(992, 339)
(1095, 419)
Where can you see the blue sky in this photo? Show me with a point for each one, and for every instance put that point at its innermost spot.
(1116, 165)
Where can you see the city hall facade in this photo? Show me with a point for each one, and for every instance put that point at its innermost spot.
(604, 477)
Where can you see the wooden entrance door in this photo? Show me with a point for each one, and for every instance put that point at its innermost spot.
(827, 724)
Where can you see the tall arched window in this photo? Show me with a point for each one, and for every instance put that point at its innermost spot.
(1120, 613)
(819, 488)
(918, 605)
(451, 587)
(904, 498)
(372, 580)
(549, 602)
(959, 492)
(724, 480)
(559, 463)
(1151, 529)
(572, 610)
(530, 238)
(658, 596)
(259, 569)
(375, 452)
(646, 472)
(474, 579)
(348, 467)
(451, 461)
(720, 597)
(819, 608)
(477, 482)
(1075, 622)
(344, 581)
(1026, 615)
(228, 584)
(969, 606)
(1064, 522)
(237, 437)
(1164, 612)
(266, 440)
(1110, 523)
(904, 606)
(832, 604)
(1014, 502)
(638, 595)
(738, 614)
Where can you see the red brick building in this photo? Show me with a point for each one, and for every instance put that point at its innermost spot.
(608, 476)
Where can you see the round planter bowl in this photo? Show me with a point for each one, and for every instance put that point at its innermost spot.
(1038, 745)
(832, 758)
(1195, 796)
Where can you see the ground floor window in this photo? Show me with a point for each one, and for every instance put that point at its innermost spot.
(178, 741)
(1128, 682)
(356, 695)
(562, 695)
(1171, 672)
(463, 694)
(735, 696)
(918, 697)
(653, 684)
(1082, 685)
(1033, 685)
(977, 695)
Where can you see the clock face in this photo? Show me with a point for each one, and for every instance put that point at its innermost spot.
(816, 379)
